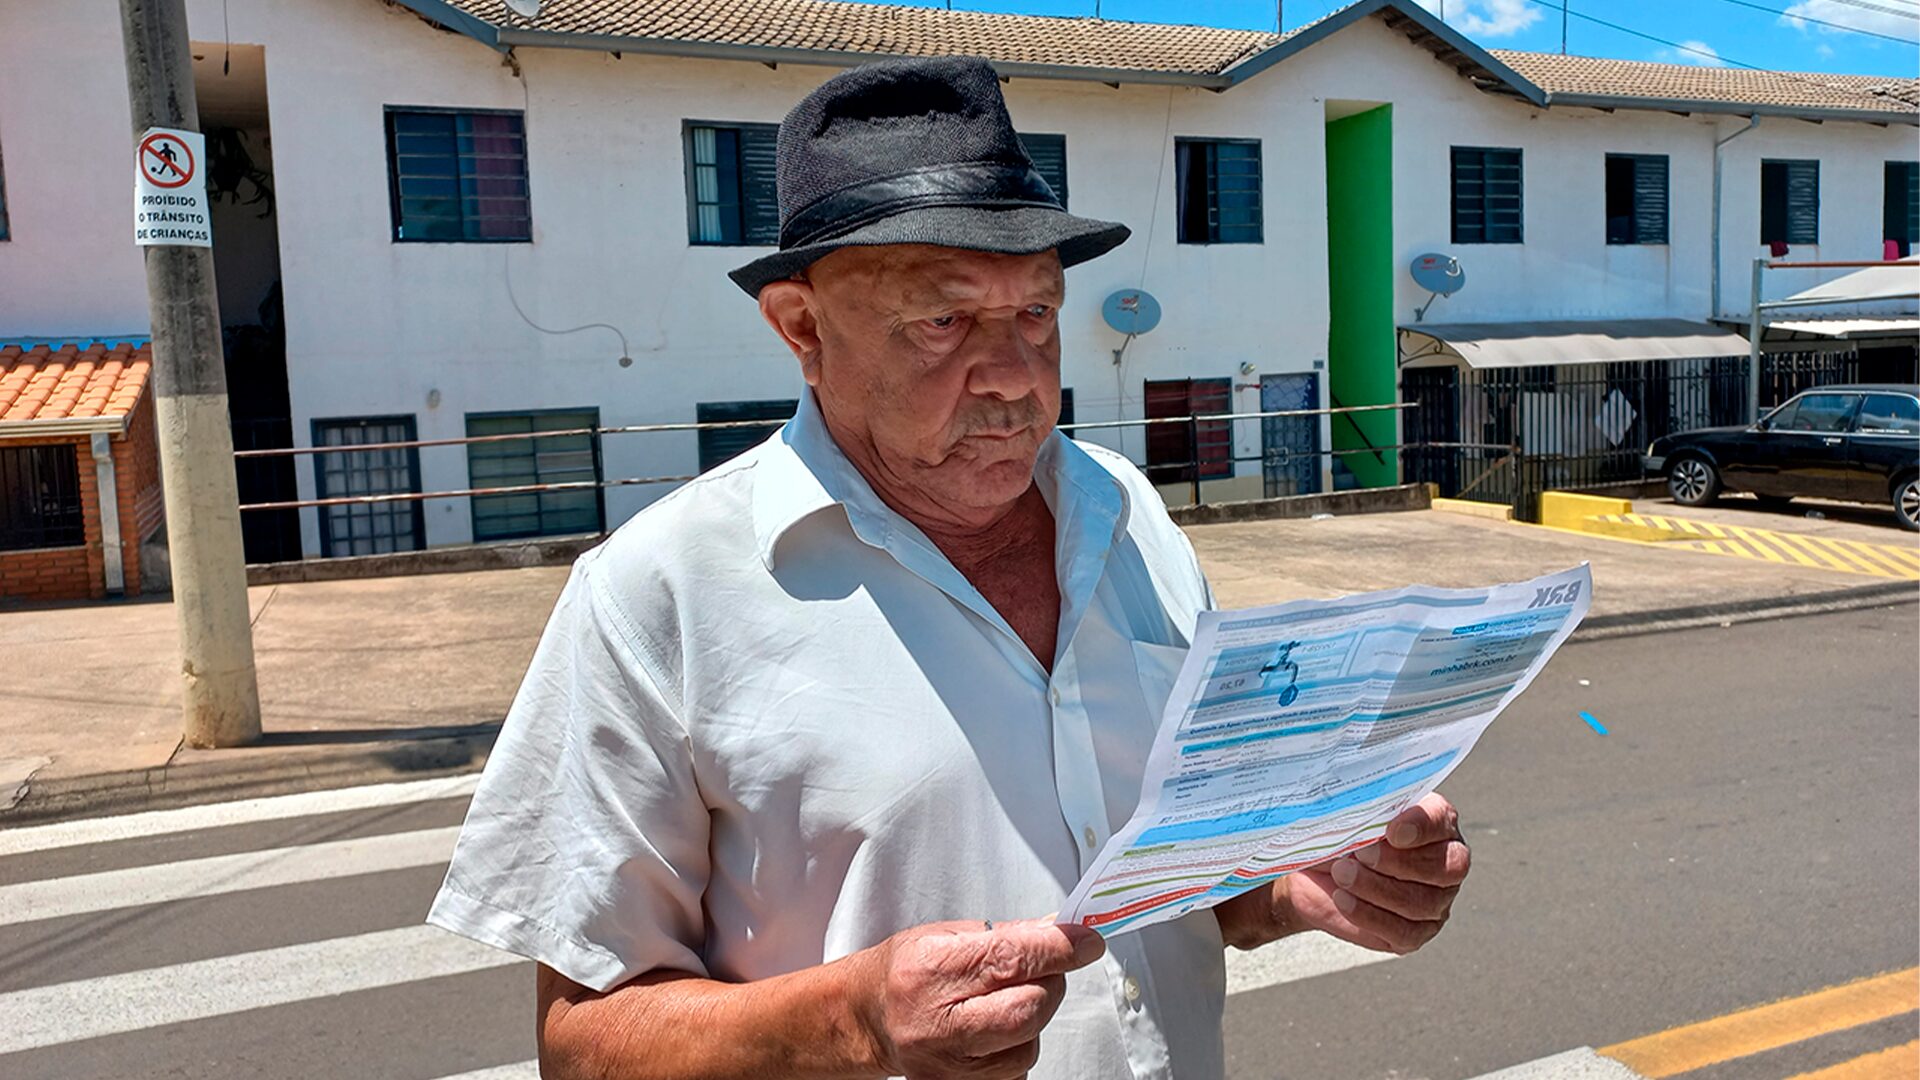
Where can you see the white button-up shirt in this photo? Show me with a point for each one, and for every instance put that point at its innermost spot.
(769, 724)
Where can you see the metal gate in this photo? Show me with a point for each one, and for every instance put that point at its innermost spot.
(1290, 445)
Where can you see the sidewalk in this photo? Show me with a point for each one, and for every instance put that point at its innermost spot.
(390, 678)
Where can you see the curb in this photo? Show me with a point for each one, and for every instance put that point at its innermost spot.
(197, 780)
(1661, 620)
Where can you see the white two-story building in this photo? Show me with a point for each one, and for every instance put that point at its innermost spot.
(437, 219)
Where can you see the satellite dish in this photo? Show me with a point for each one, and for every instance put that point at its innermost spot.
(1441, 275)
(526, 9)
(1438, 273)
(1131, 311)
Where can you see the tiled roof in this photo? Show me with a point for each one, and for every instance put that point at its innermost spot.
(1581, 76)
(891, 30)
(72, 382)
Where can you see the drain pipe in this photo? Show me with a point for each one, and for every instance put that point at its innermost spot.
(1752, 122)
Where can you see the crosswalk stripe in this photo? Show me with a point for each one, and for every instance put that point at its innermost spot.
(1893, 1063)
(115, 1004)
(519, 1070)
(1581, 1064)
(242, 812)
(54, 898)
(1302, 956)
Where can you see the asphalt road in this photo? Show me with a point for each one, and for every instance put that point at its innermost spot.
(1745, 832)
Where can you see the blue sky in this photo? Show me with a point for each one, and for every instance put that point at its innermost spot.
(1713, 28)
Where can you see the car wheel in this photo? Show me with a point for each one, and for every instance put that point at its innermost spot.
(1693, 482)
(1906, 503)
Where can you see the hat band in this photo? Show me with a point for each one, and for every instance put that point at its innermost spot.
(975, 184)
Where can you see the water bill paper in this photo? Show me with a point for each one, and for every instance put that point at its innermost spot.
(1294, 733)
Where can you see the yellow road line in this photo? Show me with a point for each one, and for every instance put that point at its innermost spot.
(1851, 551)
(1753, 542)
(1827, 559)
(1768, 1027)
(1878, 555)
(1893, 1063)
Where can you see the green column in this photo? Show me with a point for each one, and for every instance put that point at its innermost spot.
(1361, 357)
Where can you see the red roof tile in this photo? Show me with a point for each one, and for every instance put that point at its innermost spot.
(72, 382)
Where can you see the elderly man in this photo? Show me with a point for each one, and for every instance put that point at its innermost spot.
(813, 746)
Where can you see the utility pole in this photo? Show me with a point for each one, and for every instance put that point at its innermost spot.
(219, 694)
(1563, 27)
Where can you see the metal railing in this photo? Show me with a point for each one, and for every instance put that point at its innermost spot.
(1196, 468)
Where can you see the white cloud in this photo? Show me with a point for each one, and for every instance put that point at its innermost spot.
(1486, 18)
(1698, 53)
(1891, 23)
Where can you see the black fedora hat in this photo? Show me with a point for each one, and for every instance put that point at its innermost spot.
(914, 152)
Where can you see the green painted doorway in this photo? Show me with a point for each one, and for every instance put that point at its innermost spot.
(1360, 333)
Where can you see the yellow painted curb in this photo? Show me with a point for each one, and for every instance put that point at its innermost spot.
(1565, 510)
(1490, 511)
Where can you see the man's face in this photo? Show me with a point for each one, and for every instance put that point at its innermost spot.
(937, 369)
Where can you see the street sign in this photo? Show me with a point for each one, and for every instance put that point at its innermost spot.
(170, 189)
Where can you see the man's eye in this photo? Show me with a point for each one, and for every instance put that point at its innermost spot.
(1039, 311)
(943, 322)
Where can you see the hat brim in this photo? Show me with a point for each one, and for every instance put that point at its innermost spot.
(1020, 230)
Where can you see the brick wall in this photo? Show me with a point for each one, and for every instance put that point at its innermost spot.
(74, 573)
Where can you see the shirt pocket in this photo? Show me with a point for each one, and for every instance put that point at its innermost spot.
(1157, 666)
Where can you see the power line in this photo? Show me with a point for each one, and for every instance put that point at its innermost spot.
(1837, 26)
(1709, 53)
(1876, 7)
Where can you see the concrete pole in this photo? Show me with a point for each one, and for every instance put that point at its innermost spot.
(220, 698)
(1755, 327)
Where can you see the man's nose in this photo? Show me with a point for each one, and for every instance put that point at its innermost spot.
(1004, 363)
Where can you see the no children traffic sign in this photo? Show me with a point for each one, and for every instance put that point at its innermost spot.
(170, 189)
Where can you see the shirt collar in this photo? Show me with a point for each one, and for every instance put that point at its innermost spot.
(803, 471)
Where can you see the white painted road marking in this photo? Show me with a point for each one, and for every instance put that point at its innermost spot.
(1302, 956)
(114, 1004)
(519, 1070)
(1581, 1064)
(55, 898)
(243, 812)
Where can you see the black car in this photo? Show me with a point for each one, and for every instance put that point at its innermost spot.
(1859, 442)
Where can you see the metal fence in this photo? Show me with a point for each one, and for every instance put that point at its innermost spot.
(384, 472)
(1505, 435)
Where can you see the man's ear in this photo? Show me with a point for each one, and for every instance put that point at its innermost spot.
(788, 307)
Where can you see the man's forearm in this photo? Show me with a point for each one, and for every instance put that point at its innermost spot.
(670, 1025)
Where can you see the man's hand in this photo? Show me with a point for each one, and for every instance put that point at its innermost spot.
(956, 999)
(1393, 895)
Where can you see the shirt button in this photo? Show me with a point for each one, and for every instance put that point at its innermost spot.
(1132, 988)
(1092, 838)
(1054, 693)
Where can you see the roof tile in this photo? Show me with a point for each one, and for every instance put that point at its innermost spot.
(72, 382)
(1587, 75)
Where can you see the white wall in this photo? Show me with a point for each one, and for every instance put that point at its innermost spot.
(376, 327)
(70, 267)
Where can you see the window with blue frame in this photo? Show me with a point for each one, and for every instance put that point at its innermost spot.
(1636, 198)
(1049, 156)
(1789, 202)
(458, 175)
(1487, 204)
(4, 234)
(1217, 182)
(732, 198)
(569, 456)
(1900, 213)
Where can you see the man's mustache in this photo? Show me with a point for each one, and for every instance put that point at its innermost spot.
(999, 418)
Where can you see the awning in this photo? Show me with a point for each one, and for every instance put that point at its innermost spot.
(1850, 328)
(1893, 281)
(1571, 341)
